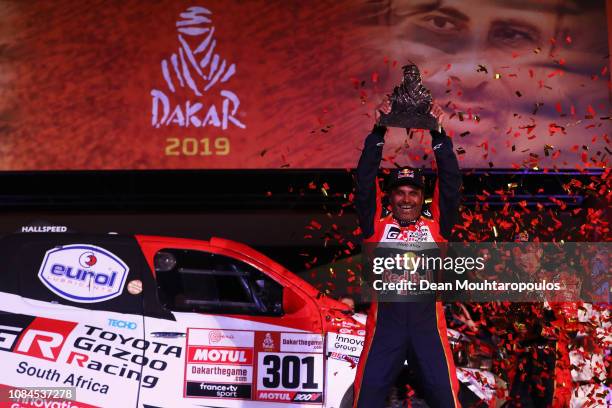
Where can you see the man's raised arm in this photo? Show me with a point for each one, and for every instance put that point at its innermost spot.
(445, 205)
(367, 202)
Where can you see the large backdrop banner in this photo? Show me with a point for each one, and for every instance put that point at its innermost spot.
(253, 84)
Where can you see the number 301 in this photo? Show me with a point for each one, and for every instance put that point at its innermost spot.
(190, 146)
(286, 371)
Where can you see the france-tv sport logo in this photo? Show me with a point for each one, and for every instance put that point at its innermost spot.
(83, 273)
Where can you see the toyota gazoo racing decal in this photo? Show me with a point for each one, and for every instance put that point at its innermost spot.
(121, 354)
(83, 273)
(393, 233)
(90, 357)
(262, 365)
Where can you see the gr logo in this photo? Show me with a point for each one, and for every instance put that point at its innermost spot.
(393, 233)
(44, 338)
(8, 337)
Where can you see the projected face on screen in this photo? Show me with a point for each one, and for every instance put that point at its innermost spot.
(504, 70)
(449, 41)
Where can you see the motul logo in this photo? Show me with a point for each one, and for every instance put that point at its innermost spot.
(274, 396)
(221, 355)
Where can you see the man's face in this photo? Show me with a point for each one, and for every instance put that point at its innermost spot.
(406, 202)
(455, 36)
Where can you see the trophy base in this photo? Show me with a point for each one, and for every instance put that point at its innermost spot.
(409, 120)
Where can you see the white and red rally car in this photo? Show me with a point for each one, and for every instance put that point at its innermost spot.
(149, 321)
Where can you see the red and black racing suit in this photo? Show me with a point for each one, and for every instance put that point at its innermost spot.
(397, 331)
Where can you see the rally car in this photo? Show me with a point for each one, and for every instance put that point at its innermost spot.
(149, 321)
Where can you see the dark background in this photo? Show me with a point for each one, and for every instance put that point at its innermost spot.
(301, 219)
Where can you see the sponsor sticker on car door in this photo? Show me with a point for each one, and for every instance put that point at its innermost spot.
(219, 364)
(292, 369)
(254, 365)
(83, 273)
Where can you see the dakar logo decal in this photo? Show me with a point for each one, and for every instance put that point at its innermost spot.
(197, 68)
(83, 273)
(268, 342)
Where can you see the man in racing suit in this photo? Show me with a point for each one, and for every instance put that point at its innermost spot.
(406, 330)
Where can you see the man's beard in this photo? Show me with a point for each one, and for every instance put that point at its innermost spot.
(404, 221)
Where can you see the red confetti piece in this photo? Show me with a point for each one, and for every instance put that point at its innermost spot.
(590, 111)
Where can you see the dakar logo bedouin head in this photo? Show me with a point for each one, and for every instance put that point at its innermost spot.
(196, 67)
(268, 342)
(83, 273)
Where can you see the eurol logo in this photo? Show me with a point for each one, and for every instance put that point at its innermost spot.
(83, 273)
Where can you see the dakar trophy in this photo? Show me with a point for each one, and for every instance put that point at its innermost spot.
(410, 103)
